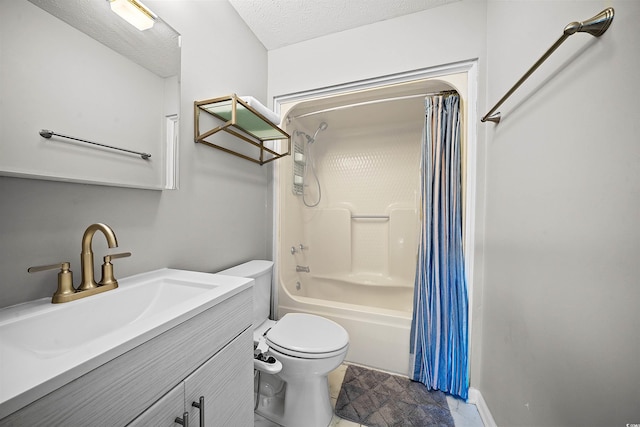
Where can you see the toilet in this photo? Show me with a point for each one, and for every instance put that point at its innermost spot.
(299, 351)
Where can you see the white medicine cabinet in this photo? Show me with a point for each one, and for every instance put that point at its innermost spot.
(67, 69)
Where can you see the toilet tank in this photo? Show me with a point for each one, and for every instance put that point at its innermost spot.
(261, 272)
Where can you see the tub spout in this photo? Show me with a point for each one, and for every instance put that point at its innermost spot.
(302, 269)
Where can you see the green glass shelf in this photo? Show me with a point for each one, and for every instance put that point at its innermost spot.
(244, 122)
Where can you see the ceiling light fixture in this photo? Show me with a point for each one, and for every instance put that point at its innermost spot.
(134, 12)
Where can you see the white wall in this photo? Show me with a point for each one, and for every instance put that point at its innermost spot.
(444, 35)
(560, 337)
(387, 47)
(218, 217)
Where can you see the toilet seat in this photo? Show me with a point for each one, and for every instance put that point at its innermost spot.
(261, 329)
(307, 336)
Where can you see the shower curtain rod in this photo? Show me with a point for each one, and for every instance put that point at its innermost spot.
(376, 101)
(596, 26)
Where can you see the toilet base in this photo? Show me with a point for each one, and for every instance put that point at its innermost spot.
(301, 391)
(304, 404)
(308, 400)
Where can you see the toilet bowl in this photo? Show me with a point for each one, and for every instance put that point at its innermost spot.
(309, 347)
(306, 346)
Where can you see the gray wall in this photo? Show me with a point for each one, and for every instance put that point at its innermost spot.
(560, 342)
(221, 214)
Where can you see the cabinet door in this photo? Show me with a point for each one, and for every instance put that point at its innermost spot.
(226, 382)
(164, 412)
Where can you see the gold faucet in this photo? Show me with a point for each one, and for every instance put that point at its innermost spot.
(66, 292)
(86, 257)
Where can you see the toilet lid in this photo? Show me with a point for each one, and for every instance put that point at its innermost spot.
(307, 335)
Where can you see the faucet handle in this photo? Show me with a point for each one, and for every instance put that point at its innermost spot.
(107, 269)
(65, 279)
(60, 265)
(108, 258)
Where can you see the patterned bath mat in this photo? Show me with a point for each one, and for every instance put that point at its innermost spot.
(378, 399)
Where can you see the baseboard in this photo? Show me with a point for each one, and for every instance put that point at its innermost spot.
(475, 397)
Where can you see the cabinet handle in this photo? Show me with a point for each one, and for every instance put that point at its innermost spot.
(200, 406)
(184, 421)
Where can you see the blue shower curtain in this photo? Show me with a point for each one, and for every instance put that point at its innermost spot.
(439, 328)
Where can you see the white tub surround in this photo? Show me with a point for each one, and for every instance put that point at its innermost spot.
(347, 250)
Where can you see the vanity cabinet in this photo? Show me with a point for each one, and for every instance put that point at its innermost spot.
(164, 412)
(223, 381)
(226, 382)
(210, 355)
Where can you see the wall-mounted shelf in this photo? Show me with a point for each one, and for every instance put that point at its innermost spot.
(267, 142)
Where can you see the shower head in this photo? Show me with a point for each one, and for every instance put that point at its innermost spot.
(312, 139)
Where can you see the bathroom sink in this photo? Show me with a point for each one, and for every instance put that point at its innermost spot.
(44, 344)
(51, 333)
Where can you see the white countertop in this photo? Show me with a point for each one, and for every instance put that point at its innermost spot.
(44, 346)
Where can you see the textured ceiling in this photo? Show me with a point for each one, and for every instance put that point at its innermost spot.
(279, 23)
(276, 23)
(156, 49)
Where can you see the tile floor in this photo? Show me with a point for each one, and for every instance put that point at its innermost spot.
(464, 414)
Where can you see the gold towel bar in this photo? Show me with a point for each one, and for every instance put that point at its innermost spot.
(596, 26)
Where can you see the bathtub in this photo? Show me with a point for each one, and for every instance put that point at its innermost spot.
(362, 290)
(378, 337)
(360, 275)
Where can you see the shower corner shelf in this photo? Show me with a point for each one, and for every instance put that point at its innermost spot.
(244, 122)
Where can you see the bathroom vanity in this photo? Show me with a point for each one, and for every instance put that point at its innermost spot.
(202, 356)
